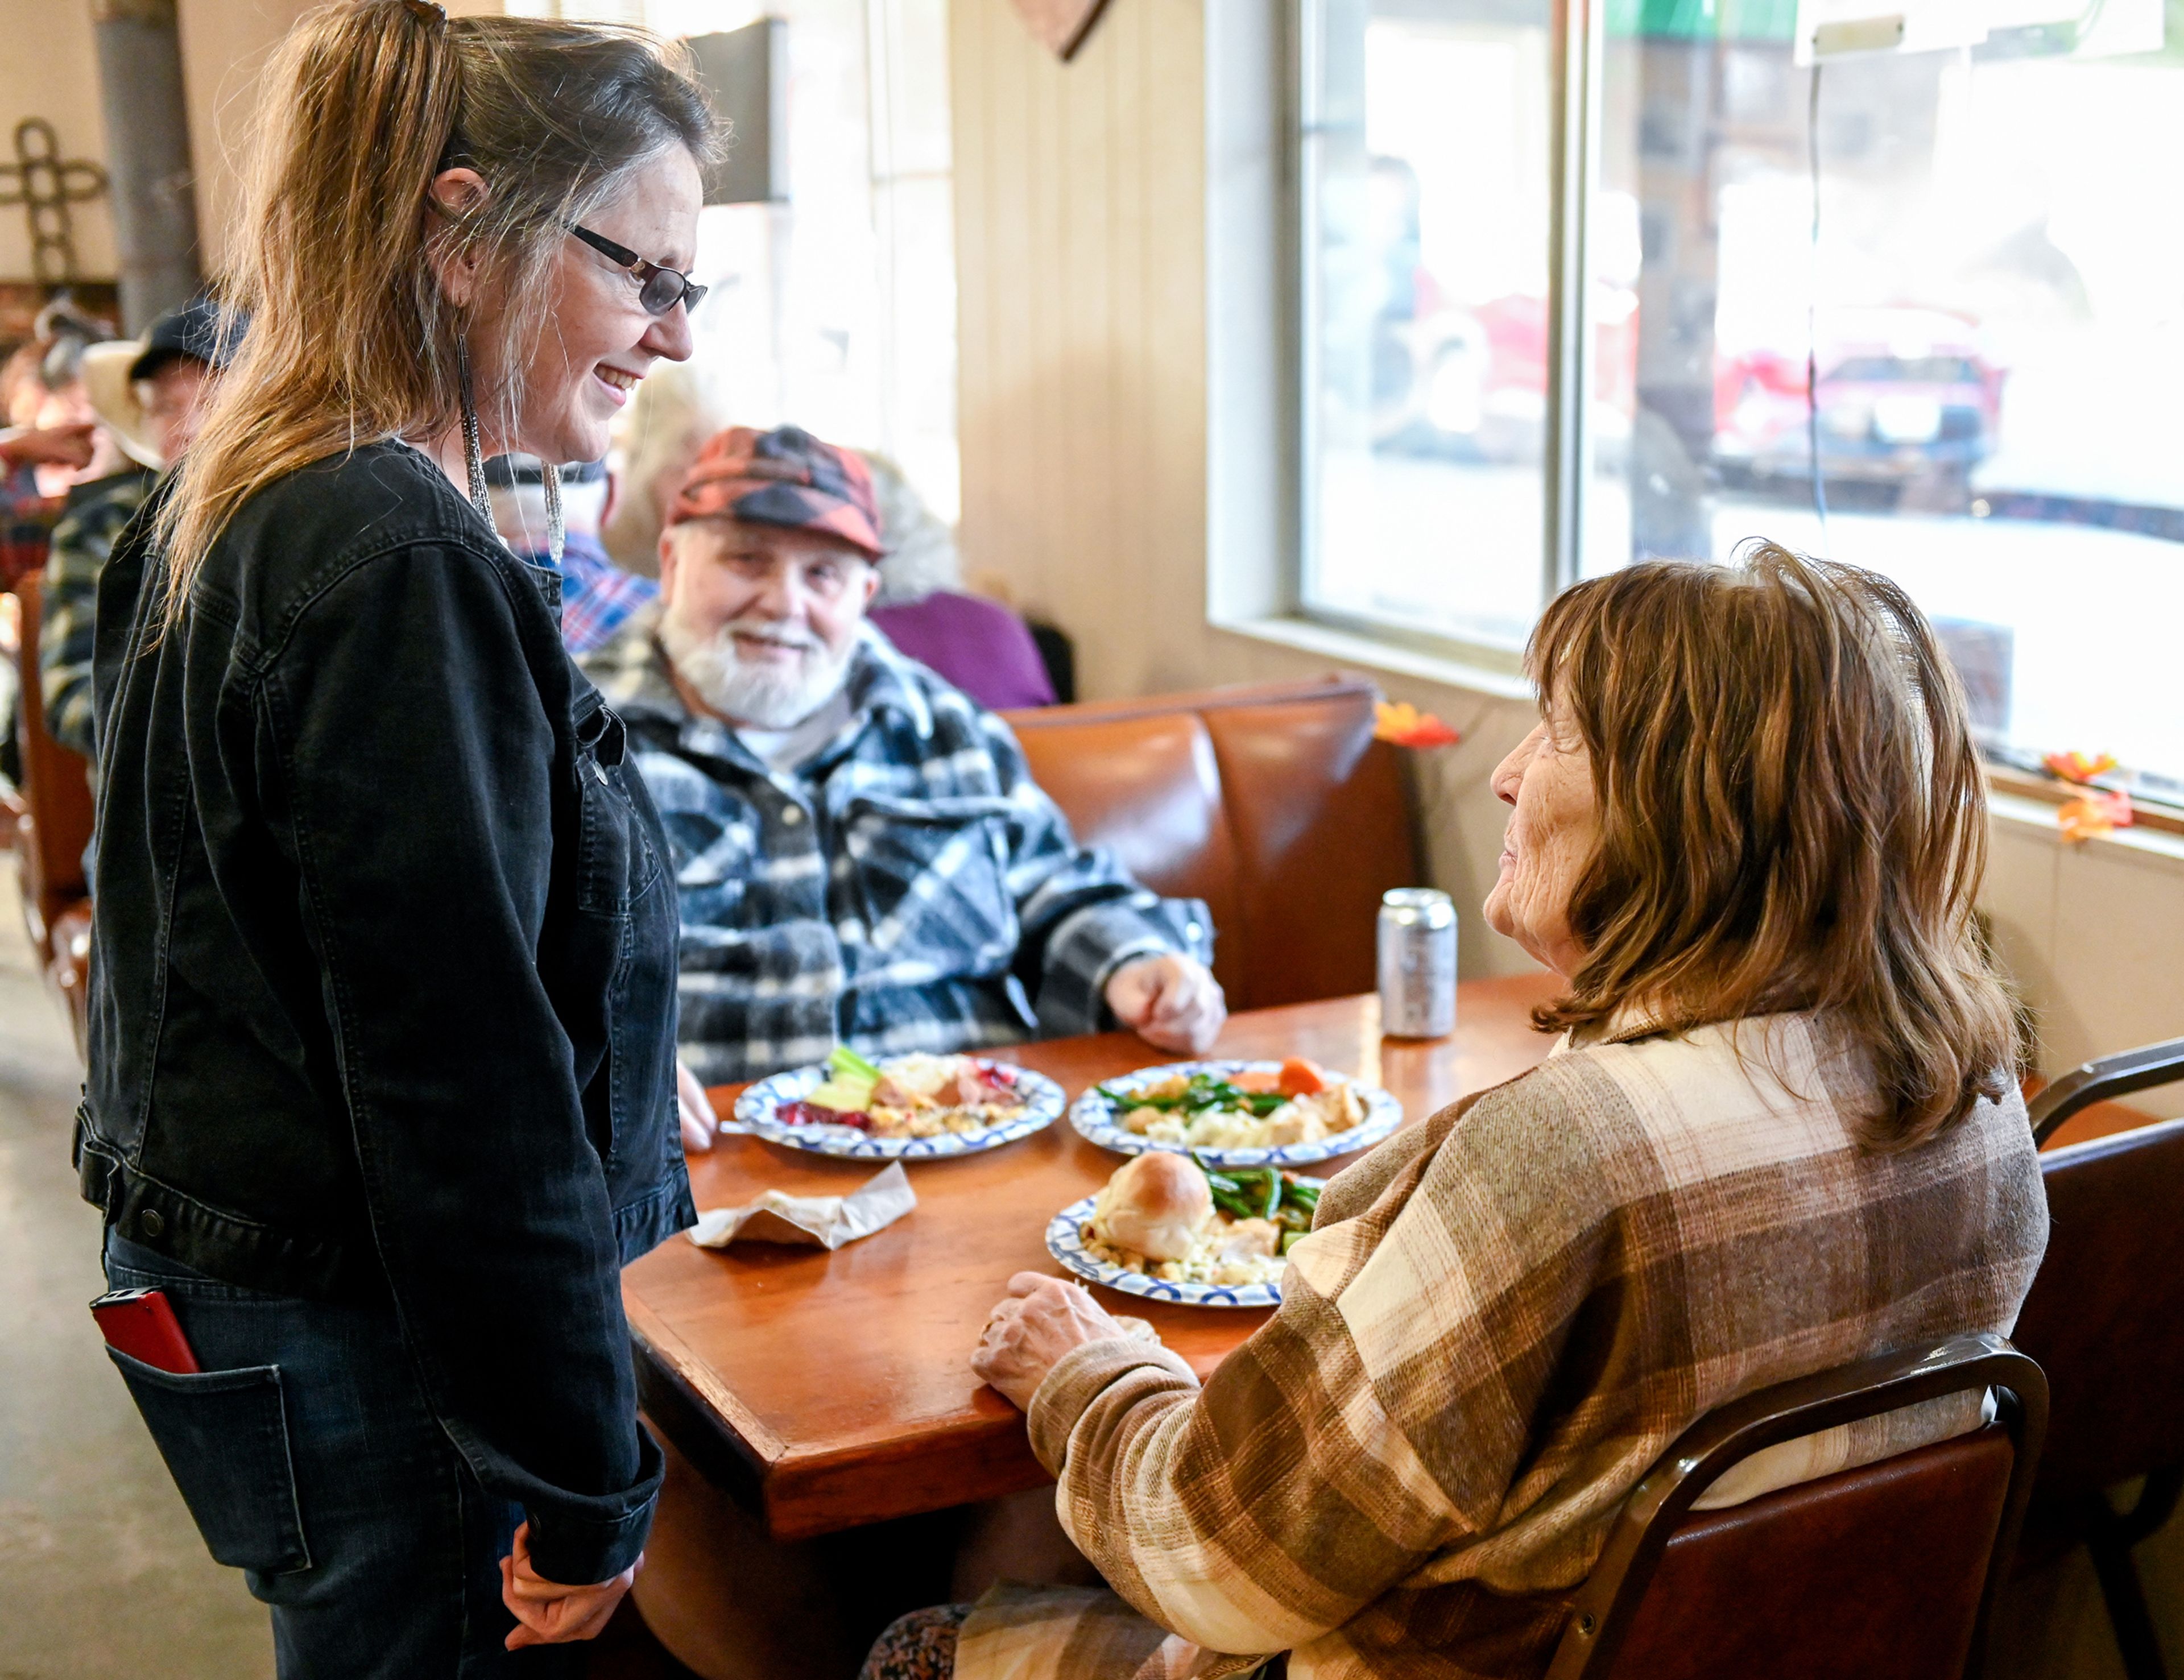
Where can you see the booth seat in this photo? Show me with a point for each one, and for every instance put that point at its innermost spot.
(1273, 802)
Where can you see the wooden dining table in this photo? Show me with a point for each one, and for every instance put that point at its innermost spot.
(829, 1390)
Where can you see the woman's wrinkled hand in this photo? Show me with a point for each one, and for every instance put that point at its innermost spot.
(1027, 1334)
(699, 1122)
(546, 1612)
(1172, 1002)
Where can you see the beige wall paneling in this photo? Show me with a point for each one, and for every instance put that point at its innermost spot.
(225, 46)
(2119, 954)
(49, 69)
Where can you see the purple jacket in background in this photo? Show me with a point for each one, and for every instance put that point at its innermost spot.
(979, 645)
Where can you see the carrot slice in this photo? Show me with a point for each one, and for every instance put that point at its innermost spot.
(1302, 1077)
(1257, 1079)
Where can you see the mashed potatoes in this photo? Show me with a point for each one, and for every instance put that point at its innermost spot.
(1300, 1120)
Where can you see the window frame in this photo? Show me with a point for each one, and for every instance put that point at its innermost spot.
(1577, 31)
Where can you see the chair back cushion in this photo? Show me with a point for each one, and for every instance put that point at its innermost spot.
(1274, 803)
(2105, 1317)
(1869, 1574)
(55, 825)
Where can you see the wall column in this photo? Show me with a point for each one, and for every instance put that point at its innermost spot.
(148, 137)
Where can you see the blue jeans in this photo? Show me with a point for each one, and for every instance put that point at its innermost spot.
(307, 1453)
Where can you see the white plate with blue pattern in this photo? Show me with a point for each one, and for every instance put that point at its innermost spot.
(1065, 1241)
(758, 1110)
(1097, 1121)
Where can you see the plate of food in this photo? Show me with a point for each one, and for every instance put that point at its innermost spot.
(917, 1107)
(1233, 1114)
(1168, 1229)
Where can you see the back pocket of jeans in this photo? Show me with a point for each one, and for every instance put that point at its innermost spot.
(224, 1436)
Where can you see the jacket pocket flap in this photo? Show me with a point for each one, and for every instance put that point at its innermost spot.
(950, 812)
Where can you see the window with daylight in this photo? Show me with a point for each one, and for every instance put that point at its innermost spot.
(836, 309)
(1890, 282)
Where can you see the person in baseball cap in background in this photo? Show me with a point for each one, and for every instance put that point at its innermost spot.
(148, 394)
(863, 857)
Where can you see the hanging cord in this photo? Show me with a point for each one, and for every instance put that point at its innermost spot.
(1813, 310)
(473, 455)
(557, 528)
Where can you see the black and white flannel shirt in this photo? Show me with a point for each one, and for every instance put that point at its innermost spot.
(908, 888)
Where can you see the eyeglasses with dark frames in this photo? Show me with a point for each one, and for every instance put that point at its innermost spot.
(659, 289)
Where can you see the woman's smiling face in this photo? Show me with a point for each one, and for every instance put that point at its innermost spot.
(1553, 825)
(597, 340)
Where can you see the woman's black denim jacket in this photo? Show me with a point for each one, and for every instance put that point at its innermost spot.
(383, 993)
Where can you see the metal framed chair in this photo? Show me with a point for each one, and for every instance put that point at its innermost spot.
(1886, 1571)
(2103, 1319)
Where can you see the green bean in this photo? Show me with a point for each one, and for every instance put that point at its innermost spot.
(1229, 1197)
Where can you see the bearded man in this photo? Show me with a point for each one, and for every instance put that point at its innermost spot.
(862, 856)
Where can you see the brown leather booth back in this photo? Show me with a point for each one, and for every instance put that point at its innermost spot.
(1874, 1573)
(1272, 802)
(56, 795)
(2105, 1317)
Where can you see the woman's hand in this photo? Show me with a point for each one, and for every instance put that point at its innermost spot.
(699, 1122)
(1027, 1334)
(1171, 1002)
(548, 1613)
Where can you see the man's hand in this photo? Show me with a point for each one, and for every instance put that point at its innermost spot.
(699, 1122)
(1169, 1001)
(548, 1613)
(1027, 1334)
(54, 445)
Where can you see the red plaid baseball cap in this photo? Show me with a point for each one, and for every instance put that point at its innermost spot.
(786, 477)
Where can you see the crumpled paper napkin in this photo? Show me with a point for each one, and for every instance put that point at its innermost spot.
(814, 1221)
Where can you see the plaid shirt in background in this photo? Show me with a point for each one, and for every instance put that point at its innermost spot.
(909, 888)
(1501, 1318)
(83, 541)
(597, 597)
(26, 524)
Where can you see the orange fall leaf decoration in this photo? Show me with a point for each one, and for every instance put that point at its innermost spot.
(2079, 767)
(1406, 725)
(2093, 815)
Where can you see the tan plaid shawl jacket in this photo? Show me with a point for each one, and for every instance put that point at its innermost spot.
(1504, 1316)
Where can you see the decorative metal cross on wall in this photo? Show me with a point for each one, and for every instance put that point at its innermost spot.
(45, 181)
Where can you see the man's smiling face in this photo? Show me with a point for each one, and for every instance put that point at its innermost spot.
(760, 620)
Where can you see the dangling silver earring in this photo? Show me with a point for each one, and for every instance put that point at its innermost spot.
(556, 528)
(473, 455)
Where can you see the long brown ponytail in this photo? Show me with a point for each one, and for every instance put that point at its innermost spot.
(351, 340)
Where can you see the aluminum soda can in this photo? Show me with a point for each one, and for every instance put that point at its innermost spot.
(1418, 963)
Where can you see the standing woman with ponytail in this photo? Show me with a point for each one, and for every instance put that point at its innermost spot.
(381, 1093)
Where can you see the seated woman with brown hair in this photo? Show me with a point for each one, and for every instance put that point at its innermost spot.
(1781, 1132)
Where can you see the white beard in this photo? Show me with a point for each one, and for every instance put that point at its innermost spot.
(759, 696)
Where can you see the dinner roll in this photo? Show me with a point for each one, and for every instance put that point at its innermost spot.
(1157, 1205)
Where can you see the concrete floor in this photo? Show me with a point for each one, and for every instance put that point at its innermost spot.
(102, 1573)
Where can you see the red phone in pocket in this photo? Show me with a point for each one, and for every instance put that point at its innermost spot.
(142, 1325)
